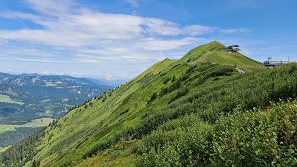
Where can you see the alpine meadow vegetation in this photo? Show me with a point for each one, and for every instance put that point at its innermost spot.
(199, 110)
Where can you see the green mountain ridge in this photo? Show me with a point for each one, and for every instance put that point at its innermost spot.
(195, 111)
(215, 52)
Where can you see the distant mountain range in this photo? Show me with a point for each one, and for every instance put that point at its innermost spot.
(25, 97)
(113, 83)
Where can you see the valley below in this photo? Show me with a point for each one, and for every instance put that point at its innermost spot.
(9, 134)
(29, 102)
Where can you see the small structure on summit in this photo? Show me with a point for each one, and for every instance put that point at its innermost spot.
(270, 63)
(233, 48)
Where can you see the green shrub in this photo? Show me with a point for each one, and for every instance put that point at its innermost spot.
(257, 138)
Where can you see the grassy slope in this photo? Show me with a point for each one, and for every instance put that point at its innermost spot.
(7, 128)
(7, 99)
(214, 52)
(33, 124)
(88, 123)
(4, 149)
(102, 118)
(107, 114)
(229, 58)
(124, 107)
(226, 89)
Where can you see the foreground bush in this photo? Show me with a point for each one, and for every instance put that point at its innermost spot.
(257, 138)
(252, 138)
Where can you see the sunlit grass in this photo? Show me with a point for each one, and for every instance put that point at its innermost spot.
(7, 99)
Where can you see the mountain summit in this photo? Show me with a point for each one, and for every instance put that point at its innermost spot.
(215, 52)
(189, 112)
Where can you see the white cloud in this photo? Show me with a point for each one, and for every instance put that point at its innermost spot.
(19, 15)
(157, 45)
(234, 30)
(52, 7)
(2, 41)
(160, 27)
(45, 72)
(112, 43)
(194, 30)
(92, 27)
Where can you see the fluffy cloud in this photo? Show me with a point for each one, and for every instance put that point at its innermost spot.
(234, 30)
(67, 24)
(52, 7)
(71, 33)
(194, 30)
(157, 45)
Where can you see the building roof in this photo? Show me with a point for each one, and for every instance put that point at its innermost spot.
(234, 48)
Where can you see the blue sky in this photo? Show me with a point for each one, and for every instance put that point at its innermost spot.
(118, 39)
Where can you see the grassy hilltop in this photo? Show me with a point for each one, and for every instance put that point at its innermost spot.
(196, 111)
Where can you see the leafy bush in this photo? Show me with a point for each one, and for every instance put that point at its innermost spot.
(257, 138)
(182, 142)
(252, 138)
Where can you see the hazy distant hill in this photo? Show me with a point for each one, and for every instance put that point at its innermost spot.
(27, 96)
(113, 83)
(209, 108)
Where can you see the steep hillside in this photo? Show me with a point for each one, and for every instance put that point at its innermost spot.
(174, 114)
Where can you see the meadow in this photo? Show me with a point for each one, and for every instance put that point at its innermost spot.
(7, 99)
